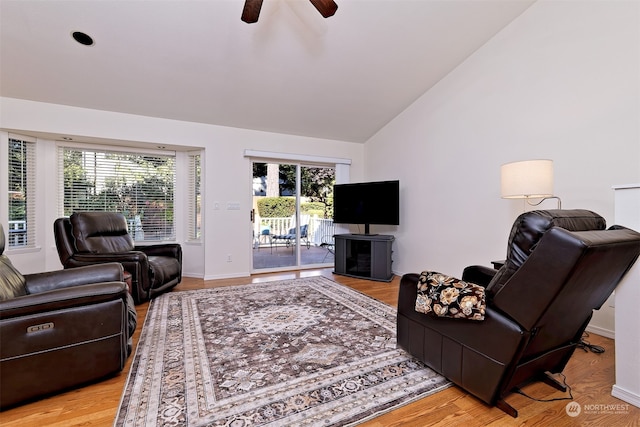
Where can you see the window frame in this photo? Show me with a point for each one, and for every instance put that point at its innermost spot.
(136, 227)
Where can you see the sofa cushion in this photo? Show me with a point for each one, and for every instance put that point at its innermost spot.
(12, 283)
(100, 232)
(446, 296)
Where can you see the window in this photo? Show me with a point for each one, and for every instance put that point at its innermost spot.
(140, 185)
(194, 216)
(21, 171)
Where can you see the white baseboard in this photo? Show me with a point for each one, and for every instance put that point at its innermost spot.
(226, 276)
(608, 333)
(193, 275)
(626, 395)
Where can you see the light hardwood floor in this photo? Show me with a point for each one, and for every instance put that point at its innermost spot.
(590, 375)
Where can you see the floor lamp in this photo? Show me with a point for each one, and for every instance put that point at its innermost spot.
(528, 179)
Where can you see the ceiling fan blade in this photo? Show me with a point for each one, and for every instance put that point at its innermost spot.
(251, 11)
(326, 7)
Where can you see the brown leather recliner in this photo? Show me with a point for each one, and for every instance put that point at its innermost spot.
(560, 266)
(87, 238)
(61, 329)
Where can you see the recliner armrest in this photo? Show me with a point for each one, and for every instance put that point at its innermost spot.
(135, 262)
(89, 258)
(173, 250)
(42, 282)
(479, 274)
(60, 299)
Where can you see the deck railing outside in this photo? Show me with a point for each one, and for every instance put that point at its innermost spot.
(319, 230)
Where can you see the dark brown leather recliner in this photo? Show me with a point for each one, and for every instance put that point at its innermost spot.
(560, 266)
(61, 329)
(87, 238)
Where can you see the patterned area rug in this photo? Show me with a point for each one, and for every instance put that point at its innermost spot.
(304, 352)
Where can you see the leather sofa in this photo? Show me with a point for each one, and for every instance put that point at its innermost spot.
(87, 238)
(560, 266)
(61, 329)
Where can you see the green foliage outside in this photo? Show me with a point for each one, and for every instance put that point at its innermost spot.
(17, 175)
(316, 186)
(322, 210)
(284, 207)
(150, 196)
(276, 207)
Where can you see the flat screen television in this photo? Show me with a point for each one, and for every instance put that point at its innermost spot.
(367, 203)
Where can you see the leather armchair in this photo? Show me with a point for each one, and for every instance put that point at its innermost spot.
(560, 266)
(61, 329)
(87, 238)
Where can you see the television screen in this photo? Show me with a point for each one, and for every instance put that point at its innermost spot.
(367, 203)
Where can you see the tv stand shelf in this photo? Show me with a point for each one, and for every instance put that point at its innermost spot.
(367, 256)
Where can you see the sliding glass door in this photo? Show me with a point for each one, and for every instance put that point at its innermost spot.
(291, 216)
(316, 207)
(274, 215)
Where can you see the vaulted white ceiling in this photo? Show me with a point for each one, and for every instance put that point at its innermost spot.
(292, 72)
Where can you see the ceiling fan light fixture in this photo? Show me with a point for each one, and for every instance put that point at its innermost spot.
(251, 11)
(326, 8)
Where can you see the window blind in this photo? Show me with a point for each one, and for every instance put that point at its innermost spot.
(22, 195)
(139, 185)
(194, 216)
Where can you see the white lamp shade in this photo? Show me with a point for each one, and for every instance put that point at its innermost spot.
(526, 179)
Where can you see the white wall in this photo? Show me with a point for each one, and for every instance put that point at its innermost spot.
(560, 82)
(227, 175)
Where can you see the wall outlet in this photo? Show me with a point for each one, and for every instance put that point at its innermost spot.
(228, 257)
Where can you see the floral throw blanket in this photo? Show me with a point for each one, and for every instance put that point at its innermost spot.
(445, 296)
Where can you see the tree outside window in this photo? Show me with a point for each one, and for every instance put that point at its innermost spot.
(139, 186)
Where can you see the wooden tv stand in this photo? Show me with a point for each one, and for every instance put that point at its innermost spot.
(367, 256)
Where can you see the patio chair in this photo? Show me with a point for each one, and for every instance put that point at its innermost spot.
(291, 236)
(328, 242)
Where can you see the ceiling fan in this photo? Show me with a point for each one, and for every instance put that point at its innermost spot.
(251, 10)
